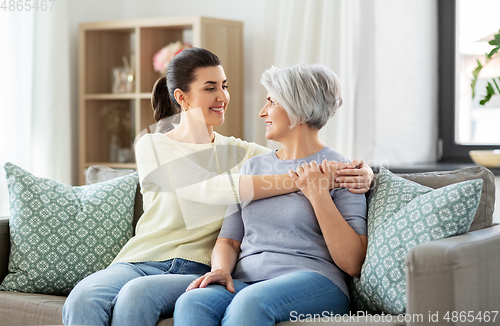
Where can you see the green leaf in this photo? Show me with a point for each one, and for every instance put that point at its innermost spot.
(493, 51)
(490, 92)
(496, 85)
(476, 71)
(496, 39)
(475, 74)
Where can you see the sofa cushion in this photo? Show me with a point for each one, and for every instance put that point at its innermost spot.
(438, 179)
(60, 234)
(99, 173)
(401, 215)
(20, 309)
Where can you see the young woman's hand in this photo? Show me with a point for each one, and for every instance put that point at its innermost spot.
(331, 172)
(216, 276)
(357, 176)
(311, 180)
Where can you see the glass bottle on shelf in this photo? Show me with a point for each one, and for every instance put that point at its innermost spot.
(114, 147)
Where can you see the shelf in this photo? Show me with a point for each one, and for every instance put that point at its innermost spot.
(118, 96)
(104, 51)
(113, 165)
(146, 115)
(105, 118)
(103, 47)
(111, 96)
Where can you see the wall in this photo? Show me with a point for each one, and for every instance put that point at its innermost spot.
(398, 81)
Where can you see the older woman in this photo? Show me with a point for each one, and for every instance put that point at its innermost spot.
(287, 256)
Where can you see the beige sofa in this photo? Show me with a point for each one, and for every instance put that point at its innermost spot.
(459, 274)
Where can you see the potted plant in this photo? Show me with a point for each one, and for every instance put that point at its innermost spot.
(493, 86)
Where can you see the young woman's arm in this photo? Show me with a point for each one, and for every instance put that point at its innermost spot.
(347, 248)
(224, 257)
(165, 168)
(357, 176)
(253, 187)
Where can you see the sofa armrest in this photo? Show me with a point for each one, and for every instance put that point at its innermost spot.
(4, 246)
(459, 274)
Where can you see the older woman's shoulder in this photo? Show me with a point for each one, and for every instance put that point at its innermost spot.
(333, 155)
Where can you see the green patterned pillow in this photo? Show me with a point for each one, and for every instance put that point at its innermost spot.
(60, 234)
(403, 214)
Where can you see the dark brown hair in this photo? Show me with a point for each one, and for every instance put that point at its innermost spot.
(181, 73)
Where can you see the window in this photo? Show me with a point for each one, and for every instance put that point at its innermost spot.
(464, 124)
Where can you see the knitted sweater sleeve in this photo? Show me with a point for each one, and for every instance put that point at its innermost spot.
(164, 168)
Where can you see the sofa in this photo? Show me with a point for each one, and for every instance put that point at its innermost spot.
(452, 277)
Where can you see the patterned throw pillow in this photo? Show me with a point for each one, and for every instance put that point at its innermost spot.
(60, 233)
(403, 214)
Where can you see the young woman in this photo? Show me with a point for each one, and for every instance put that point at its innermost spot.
(188, 176)
(287, 256)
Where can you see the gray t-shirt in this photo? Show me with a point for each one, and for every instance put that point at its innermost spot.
(281, 234)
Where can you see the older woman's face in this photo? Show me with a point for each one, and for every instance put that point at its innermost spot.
(277, 121)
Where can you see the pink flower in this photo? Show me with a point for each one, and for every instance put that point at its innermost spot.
(163, 57)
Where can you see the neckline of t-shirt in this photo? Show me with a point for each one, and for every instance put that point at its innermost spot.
(216, 138)
(298, 159)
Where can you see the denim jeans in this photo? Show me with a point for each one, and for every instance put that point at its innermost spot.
(283, 298)
(130, 293)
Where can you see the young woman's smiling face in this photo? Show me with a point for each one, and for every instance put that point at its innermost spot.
(209, 92)
(277, 121)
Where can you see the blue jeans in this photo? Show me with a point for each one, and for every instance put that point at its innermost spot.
(130, 293)
(263, 303)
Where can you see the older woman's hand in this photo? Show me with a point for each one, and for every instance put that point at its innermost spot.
(311, 180)
(216, 276)
(357, 176)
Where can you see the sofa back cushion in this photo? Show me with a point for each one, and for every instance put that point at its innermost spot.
(484, 214)
(401, 215)
(98, 173)
(60, 234)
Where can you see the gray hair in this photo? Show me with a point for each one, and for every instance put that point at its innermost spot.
(309, 93)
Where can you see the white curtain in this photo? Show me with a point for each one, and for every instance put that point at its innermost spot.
(322, 31)
(35, 116)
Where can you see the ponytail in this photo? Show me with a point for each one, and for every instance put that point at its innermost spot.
(161, 102)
